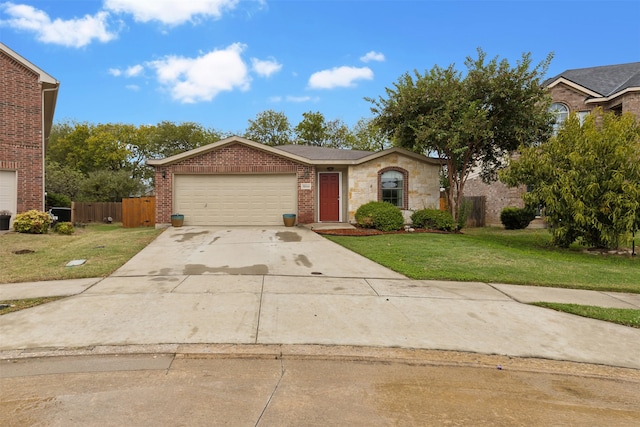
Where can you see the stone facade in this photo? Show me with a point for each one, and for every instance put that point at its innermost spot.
(422, 183)
(21, 132)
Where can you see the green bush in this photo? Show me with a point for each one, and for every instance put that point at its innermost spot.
(64, 228)
(382, 216)
(516, 218)
(58, 200)
(433, 219)
(32, 222)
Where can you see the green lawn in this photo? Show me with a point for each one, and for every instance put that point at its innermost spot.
(498, 256)
(105, 247)
(622, 316)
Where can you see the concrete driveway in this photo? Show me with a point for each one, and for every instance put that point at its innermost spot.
(279, 251)
(289, 286)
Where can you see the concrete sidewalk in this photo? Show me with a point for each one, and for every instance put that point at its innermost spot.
(302, 310)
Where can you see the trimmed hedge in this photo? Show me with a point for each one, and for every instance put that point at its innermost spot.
(516, 218)
(382, 216)
(433, 219)
(32, 222)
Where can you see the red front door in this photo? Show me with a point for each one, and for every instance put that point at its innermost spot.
(329, 197)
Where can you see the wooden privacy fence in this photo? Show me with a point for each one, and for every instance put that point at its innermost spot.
(476, 216)
(139, 212)
(477, 210)
(87, 212)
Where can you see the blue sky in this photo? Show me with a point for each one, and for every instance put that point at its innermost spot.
(221, 62)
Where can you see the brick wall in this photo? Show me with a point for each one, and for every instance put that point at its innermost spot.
(21, 147)
(234, 159)
(498, 196)
(576, 100)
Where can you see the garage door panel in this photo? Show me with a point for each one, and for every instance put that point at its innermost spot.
(235, 199)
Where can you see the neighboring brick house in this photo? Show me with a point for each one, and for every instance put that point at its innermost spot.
(236, 181)
(27, 102)
(613, 87)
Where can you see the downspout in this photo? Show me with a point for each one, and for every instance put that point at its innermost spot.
(43, 201)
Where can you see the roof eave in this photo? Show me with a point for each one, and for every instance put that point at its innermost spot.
(402, 151)
(574, 86)
(227, 141)
(613, 96)
(43, 76)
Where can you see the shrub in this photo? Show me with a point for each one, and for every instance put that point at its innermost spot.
(33, 222)
(516, 218)
(58, 200)
(382, 216)
(433, 219)
(64, 228)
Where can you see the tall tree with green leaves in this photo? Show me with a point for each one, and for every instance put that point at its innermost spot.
(312, 129)
(587, 178)
(470, 122)
(369, 137)
(270, 128)
(338, 134)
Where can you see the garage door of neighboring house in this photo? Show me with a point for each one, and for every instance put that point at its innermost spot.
(234, 199)
(8, 191)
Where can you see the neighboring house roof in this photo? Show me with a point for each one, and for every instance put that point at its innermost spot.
(306, 154)
(602, 83)
(50, 88)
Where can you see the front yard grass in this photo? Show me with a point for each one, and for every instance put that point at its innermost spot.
(622, 316)
(496, 255)
(106, 247)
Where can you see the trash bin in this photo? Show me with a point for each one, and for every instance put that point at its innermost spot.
(5, 220)
(62, 214)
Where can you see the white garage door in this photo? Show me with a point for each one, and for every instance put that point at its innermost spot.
(234, 199)
(8, 191)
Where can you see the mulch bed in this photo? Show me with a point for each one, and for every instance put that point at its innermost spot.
(359, 231)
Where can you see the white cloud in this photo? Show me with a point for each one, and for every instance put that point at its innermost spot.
(339, 77)
(73, 32)
(298, 98)
(191, 80)
(134, 88)
(170, 12)
(372, 56)
(134, 70)
(265, 68)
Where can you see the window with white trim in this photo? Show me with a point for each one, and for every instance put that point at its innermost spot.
(561, 113)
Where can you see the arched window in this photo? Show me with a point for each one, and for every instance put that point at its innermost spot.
(393, 187)
(561, 113)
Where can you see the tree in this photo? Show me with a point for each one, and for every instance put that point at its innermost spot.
(470, 122)
(270, 128)
(369, 137)
(338, 134)
(312, 130)
(62, 179)
(109, 186)
(587, 178)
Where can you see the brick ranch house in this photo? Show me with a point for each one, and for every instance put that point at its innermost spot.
(27, 102)
(236, 181)
(613, 87)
